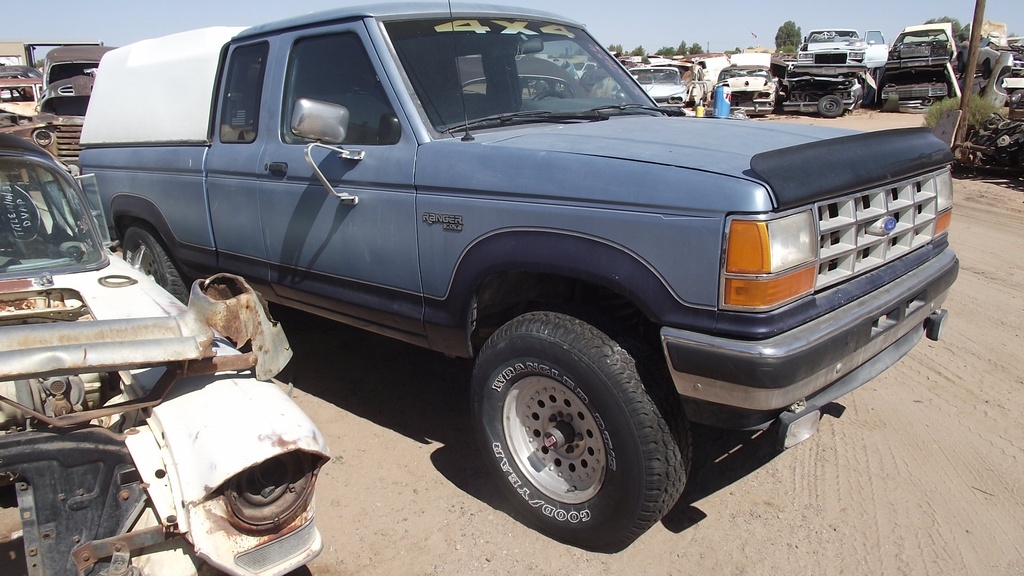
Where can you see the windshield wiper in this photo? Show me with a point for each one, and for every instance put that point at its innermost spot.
(593, 114)
(666, 110)
(503, 118)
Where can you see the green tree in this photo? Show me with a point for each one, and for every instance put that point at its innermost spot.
(960, 32)
(616, 49)
(696, 48)
(788, 37)
(666, 52)
(639, 51)
(683, 48)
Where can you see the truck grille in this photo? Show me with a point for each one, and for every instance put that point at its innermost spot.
(68, 138)
(915, 51)
(852, 230)
(917, 91)
(830, 58)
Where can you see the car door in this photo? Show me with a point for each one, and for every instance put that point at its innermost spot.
(876, 51)
(356, 260)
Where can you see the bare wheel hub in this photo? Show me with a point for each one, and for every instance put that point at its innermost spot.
(559, 435)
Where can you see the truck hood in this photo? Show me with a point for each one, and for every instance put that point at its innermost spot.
(722, 146)
(732, 165)
(747, 84)
(845, 45)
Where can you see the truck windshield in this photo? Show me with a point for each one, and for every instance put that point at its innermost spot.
(505, 67)
(44, 223)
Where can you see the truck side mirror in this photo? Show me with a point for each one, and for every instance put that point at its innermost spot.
(318, 120)
(326, 123)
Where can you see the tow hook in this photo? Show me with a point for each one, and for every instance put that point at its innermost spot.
(933, 324)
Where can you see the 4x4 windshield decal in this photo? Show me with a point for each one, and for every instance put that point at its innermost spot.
(503, 27)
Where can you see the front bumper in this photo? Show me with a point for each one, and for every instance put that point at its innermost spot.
(747, 384)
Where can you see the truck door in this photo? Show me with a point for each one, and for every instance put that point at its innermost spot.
(231, 164)
(353, 260)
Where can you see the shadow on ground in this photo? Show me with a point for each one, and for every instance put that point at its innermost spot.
(424, 396)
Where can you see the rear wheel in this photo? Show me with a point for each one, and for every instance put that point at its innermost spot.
(577, 443)
(146, 254)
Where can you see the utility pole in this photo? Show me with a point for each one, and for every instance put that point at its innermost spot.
(967, 89)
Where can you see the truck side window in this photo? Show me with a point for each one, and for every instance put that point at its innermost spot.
(240, 105)
(337, 69)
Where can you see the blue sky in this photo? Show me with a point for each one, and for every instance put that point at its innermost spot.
(722, 25)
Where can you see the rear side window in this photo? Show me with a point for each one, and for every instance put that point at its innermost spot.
(336, 69)
(240, 104)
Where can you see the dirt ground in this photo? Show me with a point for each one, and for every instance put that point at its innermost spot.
(921, 471)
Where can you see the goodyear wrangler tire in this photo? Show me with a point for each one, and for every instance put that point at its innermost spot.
(574, 438)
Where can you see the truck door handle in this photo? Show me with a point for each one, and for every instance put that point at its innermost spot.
(278, 168)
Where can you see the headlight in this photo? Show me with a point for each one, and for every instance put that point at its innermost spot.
(806, 56)
(42, 137)
(769, 262)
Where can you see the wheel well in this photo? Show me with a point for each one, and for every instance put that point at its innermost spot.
(502, 297)
(123, 223)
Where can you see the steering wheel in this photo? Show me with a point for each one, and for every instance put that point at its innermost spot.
(547, 93)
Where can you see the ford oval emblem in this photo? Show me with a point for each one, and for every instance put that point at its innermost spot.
(889, 224)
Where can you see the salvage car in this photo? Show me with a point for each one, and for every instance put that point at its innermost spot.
(1016, 105)
(19, 98)
(919, 71)
(830, 91)
(68, 76)
(142, 436)
(843, 46)
(754, 88)
(664, 84)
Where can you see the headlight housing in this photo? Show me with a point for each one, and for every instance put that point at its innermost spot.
(271, 494)
(42, 137)
(768, 263)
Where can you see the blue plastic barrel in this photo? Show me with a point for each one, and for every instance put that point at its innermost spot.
(722, 104)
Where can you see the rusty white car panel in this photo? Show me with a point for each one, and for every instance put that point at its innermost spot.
(192, 428)
(749, 78)
(143, 436)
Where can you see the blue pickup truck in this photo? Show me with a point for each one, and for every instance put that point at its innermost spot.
(490, 183)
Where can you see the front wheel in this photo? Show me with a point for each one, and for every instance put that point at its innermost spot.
(576, 441)
(831, 106)
(146, 254)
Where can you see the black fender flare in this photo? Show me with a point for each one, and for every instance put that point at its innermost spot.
(127, 206)
(569, 255)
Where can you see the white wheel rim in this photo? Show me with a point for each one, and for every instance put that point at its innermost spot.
(573, 471)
